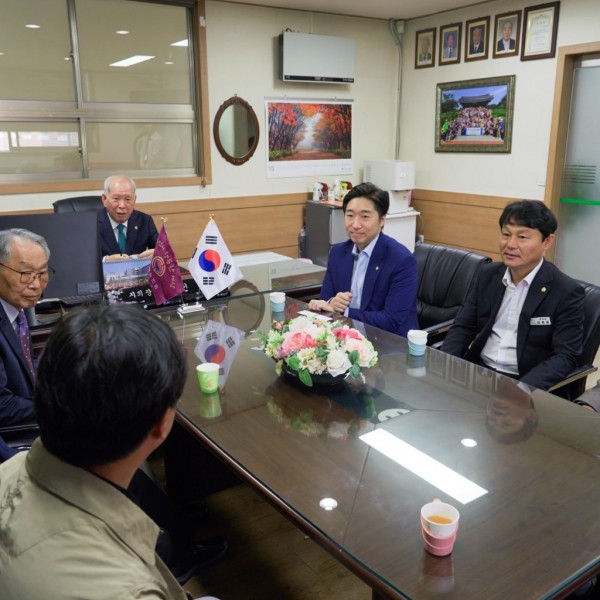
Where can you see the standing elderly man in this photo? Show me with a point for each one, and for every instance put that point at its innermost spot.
(104, 403)
(24, 275)
(124, 231)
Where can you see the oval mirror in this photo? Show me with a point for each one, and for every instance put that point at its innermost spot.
(236, 130)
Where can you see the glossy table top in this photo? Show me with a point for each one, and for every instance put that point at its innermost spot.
(534, 532)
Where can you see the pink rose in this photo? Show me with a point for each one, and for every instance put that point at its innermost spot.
(296, 341)
(345, 333)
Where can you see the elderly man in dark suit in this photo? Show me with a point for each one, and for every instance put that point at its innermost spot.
(24, 274)
(124, 232)
(523, 317)
(371, 277)
(506, 43)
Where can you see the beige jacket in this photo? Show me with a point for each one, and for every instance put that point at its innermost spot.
(67, 534)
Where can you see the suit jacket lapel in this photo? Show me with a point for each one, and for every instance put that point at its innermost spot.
(11, 337)
(540, 287)
(373, 269)
(132, 232)
(346, 267)
(106, 232)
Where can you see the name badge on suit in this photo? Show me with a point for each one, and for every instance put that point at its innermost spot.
(540, 321)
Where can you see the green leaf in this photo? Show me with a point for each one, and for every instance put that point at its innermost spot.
(353, 357)
(354, 371)
(305, 377)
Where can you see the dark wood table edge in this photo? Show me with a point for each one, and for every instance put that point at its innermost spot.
(380, 590)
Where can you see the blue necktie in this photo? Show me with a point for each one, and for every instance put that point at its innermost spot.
(122, 242)
(358, 279)
(23, 327)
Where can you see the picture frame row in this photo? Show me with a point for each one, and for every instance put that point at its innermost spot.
(538, 38)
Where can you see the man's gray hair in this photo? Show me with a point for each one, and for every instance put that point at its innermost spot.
(108, 182)
(8, 236)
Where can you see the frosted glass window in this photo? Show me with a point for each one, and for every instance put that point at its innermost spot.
(113, 31)
(138, 147)
(35, 51)
(39, 148)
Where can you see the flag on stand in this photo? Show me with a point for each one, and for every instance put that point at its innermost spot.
(212, 265)
(219, 344)
(164, 276)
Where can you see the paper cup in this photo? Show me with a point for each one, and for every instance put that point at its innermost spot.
(208, 377)
(277, 301)
(438, 519)
(417, 341)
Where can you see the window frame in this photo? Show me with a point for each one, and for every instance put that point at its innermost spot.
(37, 111)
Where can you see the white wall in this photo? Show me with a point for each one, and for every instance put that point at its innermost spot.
(522, 173)
(243, 60)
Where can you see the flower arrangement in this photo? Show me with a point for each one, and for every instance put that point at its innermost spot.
(311, 347)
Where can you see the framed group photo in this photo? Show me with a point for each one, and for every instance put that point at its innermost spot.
(475, 115)
(477, 39)
(450, 44)
(540, 27)
(507, 28)
(425, 49)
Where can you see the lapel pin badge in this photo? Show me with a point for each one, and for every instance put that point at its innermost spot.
(544, 289)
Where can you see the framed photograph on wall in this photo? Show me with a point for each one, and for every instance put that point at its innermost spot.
(450, 44)
(475, 115)
(425, 49)
(506, 34)
(477, 39)
(540, 26)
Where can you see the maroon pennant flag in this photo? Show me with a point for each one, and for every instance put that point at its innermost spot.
(164, 275)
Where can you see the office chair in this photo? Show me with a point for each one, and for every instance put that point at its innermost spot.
(573, 386)
(445, 277)
(78, 204)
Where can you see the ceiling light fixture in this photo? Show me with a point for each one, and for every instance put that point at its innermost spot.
(132, 60)
(122, 32)
(32, 26)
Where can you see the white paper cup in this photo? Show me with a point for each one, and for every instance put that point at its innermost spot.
(277, 301)
(439, 519)
(417, 341)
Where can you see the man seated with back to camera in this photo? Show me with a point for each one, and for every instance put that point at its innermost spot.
(104, 403)
(124, 231)
(522, 317)
(24, 275)
(371, 277)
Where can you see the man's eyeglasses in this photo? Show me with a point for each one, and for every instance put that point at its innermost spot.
(28, 277)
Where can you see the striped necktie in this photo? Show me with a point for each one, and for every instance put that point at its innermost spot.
(24, 338)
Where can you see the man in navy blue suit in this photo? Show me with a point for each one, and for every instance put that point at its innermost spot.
(523, 317)
(124, 232)
(24, 274)
(371, 277)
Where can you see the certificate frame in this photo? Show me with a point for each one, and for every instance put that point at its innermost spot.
(540, 28)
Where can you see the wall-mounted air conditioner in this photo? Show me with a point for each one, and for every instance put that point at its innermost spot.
(316, 58)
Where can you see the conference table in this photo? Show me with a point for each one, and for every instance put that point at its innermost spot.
(351, 465)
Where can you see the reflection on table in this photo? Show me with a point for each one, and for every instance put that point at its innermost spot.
(530, 530)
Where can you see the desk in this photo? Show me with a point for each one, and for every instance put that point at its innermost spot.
(534, 534)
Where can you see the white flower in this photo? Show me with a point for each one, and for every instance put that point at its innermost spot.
(337, 362)
(367, 356)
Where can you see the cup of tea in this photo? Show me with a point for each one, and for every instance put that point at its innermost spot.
(439, 519)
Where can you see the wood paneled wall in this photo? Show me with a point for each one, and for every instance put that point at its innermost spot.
(468, 221)
(247, 223)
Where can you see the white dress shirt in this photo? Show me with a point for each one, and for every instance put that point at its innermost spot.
(500, 350)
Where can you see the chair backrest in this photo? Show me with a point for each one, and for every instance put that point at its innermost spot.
(78, 204)
(445, 276)
(591, 322)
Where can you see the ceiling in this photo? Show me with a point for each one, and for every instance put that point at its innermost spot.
(378, 9)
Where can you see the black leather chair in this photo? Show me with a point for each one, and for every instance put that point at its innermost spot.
(78, 204)
(573, 386)
(445, 277)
